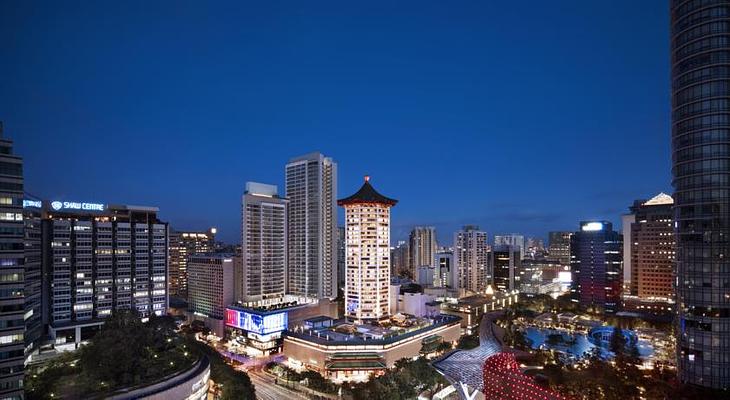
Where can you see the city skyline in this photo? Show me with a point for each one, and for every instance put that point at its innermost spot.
(218, 137)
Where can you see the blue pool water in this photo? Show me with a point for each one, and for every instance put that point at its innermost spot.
(579, 346)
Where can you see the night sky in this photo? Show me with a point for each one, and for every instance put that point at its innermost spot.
(516, 117)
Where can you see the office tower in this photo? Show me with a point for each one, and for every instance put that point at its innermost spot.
(596, 264)
(311, 188)
(445, 271)
(627, 220)
(534, 248)
(700, 139)
(12, 271)
(341, 257)
(99, 258)
(513, 239)
(651, 248)
(559, 247)
(505, 264)
(367, 284)
(422, 246)
(471, 259)
(400, 258)
(210, 288)
(33, 276)
(263, 245)
(182, 246)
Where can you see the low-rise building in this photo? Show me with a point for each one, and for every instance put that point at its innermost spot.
(347, 352)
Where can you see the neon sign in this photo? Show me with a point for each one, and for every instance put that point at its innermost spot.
(72, 205)
(31, 203)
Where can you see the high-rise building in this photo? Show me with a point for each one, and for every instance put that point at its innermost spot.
(99, 258)
(422, 246)
(701, 172)
(534, 248)
(650, 256)
(311, 188)
(471, 259)
(400, 259)
(367, 282)
(505, 264)
(596, 265)
(182, 246)
(263, 245)
(445, 270)
(341, 257)
(33, 276)
(210, 288)
(559, 246)
(12, 273)
(514, 240)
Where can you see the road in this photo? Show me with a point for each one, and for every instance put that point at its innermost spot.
(266, 389)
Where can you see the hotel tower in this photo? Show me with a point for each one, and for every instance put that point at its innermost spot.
(367, 254)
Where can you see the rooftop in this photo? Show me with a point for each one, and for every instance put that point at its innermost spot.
(367, 194)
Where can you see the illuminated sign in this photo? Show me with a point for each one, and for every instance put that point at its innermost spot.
(259, 324)
(592, 226)
(72, 205)
(31, 203)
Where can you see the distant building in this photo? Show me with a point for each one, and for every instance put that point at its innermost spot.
(559, 246)
(596, 263)
(445, 271)
(182, 246)
(534, 248)
(400, 258)
(505, 264)
(311, 188)
(426, 275)
(514, 240)
(471, 259)
(341, 257)
(263, 245)
(210, 288)
(367, 282)
(422, 246)
(650, 254)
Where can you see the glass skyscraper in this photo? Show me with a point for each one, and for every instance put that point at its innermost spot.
(700, 57)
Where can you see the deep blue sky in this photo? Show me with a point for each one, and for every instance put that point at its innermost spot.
(519, 118)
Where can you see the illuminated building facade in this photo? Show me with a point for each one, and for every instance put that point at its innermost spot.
(422, 247)
(210, 288)
(12, 273)
(505, 264)
(311, 188)
(701, 172)
(515, 240)
(262, 278)
(445, 271)
(504, 380)
(471, 259)
(367, 280)
(258, 330)
(559, 247)
(99, 258)
(596, 265)
(182, 246)
(651, 248)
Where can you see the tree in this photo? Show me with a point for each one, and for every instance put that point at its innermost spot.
(617, 344)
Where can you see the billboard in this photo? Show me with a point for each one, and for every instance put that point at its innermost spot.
(256, 323)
